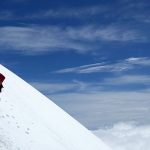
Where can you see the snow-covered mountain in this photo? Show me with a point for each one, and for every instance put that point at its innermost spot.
(30, 121)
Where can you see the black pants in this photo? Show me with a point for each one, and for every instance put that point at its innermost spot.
(1, 86)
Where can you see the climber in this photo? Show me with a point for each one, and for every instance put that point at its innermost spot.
(2, 78)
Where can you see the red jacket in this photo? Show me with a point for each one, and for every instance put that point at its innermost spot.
(2, 78)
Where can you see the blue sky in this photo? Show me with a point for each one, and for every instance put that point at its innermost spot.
(90, 57)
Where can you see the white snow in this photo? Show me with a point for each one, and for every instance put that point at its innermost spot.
(31, 121)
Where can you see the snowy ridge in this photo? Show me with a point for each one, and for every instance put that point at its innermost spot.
(30, 121)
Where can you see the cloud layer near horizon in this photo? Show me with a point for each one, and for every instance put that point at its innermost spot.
(126, 136)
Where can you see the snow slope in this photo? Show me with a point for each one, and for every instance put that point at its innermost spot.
(30, 121)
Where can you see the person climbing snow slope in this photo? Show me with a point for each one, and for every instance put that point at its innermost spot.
(2, 78)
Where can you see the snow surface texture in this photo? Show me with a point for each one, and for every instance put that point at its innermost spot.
(126, 136)
(30, 121)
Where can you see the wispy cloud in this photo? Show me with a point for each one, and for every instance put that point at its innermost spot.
(35, 39)
(136, 11)
(125, 10)
(128, 80)
(61, 13)
(53, 88)
(71, 12)
(85, 68)
(116, 83)
(120, 66)
(5, 15)
(110, 33)
(139, 61)
(32, 40)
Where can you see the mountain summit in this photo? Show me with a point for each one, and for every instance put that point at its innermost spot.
(31, 121)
